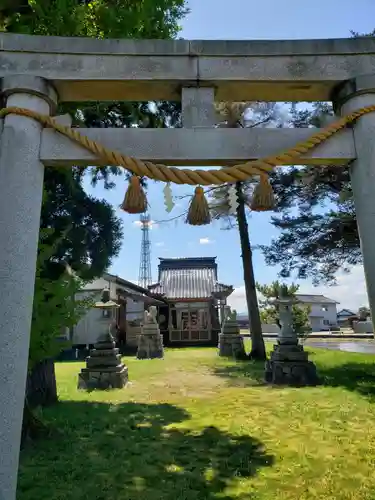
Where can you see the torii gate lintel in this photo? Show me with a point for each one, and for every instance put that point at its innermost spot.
(32, 69)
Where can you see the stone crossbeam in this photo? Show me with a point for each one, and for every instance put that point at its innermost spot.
(83, 69)
(194, 147)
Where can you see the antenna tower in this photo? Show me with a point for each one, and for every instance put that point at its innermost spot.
(145, 277)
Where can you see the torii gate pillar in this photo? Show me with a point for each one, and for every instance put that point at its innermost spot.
(21, 177)
(352, 95)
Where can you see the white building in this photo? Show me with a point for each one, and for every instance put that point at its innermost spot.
(323, 314)
(132, 299)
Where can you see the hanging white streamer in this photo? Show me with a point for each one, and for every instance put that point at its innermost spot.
(232, 199)
(168, 199)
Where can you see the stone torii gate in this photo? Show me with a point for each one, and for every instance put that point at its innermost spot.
(37, 72)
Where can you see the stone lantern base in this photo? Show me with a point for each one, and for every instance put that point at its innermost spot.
(104, 369)
(289, 365)
(230, 341)
(103, 378)
(231, 345)
(150, 346)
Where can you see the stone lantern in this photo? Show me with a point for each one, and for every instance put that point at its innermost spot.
(104, 369)
(289, 363)
(230, 340)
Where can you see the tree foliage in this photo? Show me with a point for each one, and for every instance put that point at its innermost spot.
(239, 115)
(92, 232)
(154, 19)
(364, 313)
(315, 214)
(55, 306)
(270, 310)
(95, 232)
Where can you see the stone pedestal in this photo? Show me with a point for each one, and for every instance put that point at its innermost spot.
(104, 369)
(150, 342)
(289, 365)
(230, 341)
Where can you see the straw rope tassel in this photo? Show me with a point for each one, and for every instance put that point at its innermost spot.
(135, 201)
(199, 212)
(263, 198)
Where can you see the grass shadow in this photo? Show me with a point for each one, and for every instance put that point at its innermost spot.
(354, 376)
(242, 373)
(135, 451)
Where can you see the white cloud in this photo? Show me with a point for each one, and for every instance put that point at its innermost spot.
(237, 300)
(159, 244)
(205, 241)
(350, 291)
(152, 224)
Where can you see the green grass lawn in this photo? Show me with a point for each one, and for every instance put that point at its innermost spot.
(195, 426)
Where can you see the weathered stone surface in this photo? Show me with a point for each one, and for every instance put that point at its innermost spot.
(105, 345)
(144, 70)
(103, 361)
(230, 327)
(195, 147)
(363, 179)
(21, 190)
(150, 346)
(104, 369)
(231, 345)
(288, 347)
(104, 352)
(290, 367)
(95, 379)
(289, 356)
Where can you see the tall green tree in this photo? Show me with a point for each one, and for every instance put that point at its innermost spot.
(55, 309)
(240, 115)
(92, 232)
(316, 218)
(95, 234)
(315, 214)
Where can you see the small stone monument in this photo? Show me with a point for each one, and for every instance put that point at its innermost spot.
(230, 341)
(150, 340)
(104, 369)
(289, 363)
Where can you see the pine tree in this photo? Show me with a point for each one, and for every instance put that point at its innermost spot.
(236, 115)
(322, 237)
(316, 214)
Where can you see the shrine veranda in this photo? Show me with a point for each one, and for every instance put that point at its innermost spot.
(38, 72)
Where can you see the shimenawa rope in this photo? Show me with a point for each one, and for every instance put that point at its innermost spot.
(240, 172)
(135, 198)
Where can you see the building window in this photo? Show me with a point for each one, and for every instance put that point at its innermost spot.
(325, 322)
(107, 313)
(324, 308)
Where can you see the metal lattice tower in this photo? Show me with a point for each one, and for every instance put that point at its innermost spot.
(145, 277)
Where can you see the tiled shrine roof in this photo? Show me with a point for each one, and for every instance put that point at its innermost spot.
(189, 278)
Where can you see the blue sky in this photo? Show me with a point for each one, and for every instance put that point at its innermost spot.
(239, 19)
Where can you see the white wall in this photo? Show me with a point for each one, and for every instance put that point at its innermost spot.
(92, 325)
(100, 284)
(134, 310)
(321, 319)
